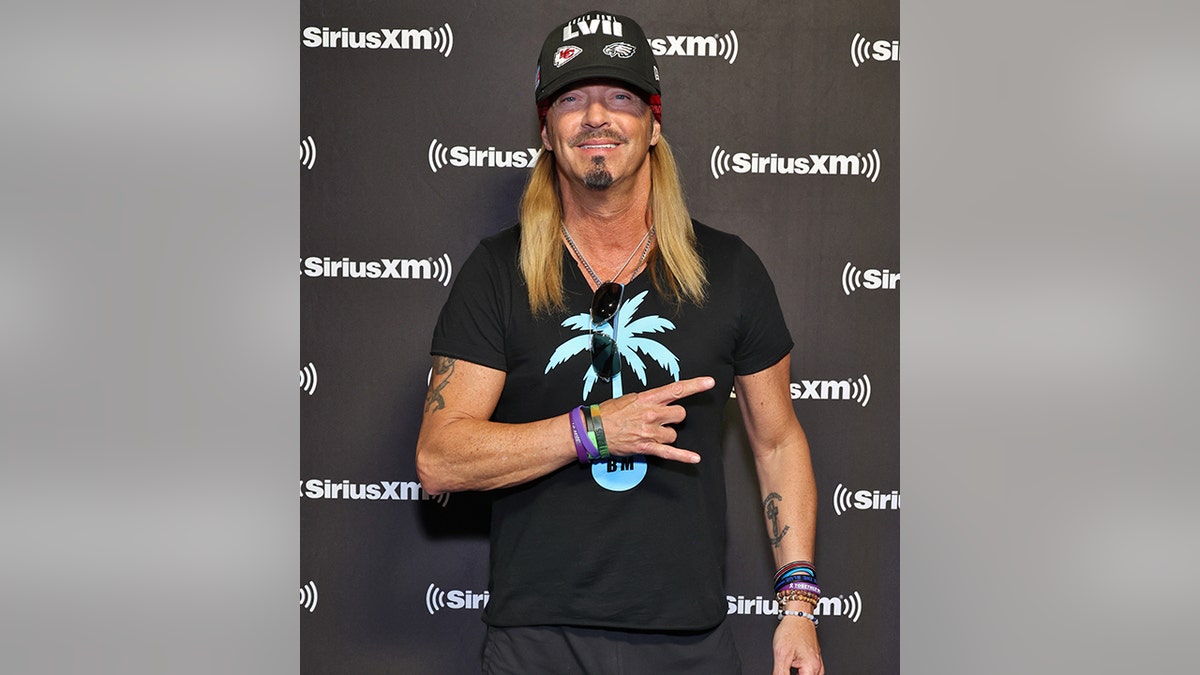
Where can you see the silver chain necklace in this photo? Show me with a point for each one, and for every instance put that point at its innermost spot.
(644, 244)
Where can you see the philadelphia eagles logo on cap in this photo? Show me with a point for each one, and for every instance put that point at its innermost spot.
(565, 54)
(620, 50)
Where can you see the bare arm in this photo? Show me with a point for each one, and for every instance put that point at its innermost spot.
(785, 477)
(459, 448)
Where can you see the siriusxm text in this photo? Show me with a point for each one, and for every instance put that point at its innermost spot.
(386, 38)
(822, 390)
(840, 165)
(383, 268)
(491, 157)
(686, 45)
(459, 599)
(874, 499)
(317, 488)
(880, 279)
(884, 50)
(740, 604)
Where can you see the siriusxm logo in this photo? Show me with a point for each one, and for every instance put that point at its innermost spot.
(436, 599)
(829, 390)
(437, 269)
(833, 390)
(721, 46)
(308, 596)
(756, 605)
(863, 50)
(308, 152)
(722, 162)
(839, 605)
(308, 378)
(864, 500)
(316, 488)
(441, 155)
(871, 279)
(439, 39)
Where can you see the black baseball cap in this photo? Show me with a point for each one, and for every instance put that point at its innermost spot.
(596, 45)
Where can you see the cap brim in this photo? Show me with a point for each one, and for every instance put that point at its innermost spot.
(601, 71)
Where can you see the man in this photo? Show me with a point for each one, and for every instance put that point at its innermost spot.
(581, 366)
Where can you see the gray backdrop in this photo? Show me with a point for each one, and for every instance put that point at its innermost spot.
(399, 153)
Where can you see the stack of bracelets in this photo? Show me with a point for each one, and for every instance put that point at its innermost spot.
(588, 433)
(797, 581)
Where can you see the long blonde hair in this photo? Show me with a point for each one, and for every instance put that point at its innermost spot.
(675, 268)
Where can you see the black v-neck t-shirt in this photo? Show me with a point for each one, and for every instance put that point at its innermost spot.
(628, 545)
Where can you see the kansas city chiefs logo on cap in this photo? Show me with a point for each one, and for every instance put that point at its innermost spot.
(564, 54)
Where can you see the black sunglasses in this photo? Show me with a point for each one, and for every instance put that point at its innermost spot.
(606, 359)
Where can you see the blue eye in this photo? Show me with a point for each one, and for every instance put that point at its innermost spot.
(568, 102)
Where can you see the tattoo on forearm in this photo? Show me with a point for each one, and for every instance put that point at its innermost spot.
(443, 368)
(772, 512)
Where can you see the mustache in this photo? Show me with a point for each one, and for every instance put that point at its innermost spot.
(601, 135)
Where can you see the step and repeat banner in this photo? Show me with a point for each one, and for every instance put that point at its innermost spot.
(418, 127)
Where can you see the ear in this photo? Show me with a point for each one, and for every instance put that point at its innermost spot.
(546, 139)
(655, 132)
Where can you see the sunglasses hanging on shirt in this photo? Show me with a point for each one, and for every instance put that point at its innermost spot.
(606, 356)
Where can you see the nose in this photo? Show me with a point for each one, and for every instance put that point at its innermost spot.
(595, 116)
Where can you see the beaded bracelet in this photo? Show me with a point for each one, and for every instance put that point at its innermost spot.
(792, 612)
(801, 596)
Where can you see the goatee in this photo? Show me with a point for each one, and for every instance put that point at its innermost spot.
(598, 177)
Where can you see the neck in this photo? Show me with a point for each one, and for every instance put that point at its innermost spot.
(606, 223)
(607, 231)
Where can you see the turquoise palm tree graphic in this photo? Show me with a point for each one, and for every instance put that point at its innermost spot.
(628, 341)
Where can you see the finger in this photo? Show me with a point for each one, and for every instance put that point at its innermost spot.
(782, 666)
(671, 453)
(811, 665)
(681, 389)
(672, 414)
(667, 435)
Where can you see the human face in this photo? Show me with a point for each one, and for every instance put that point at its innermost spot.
(600, 133)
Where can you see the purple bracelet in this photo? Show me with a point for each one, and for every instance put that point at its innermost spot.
(580, 448)
(800, 586)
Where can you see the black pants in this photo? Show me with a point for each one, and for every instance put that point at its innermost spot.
(557, 650)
